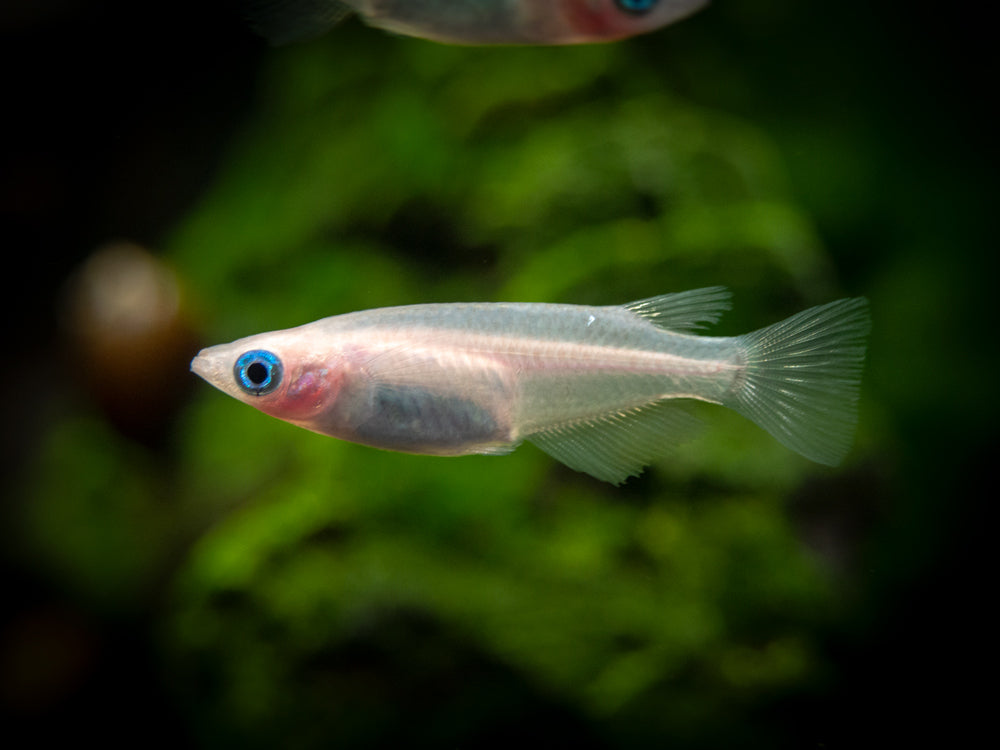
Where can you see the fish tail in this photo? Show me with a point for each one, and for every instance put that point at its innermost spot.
(285, 21)
(802, 378)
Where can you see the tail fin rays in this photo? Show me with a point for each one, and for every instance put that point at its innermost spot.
(802, 378)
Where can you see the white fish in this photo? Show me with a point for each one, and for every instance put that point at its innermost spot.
(595, 387)
(474, 21)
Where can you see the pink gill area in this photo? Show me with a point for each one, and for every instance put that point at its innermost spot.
(304, 397)
(588, 21)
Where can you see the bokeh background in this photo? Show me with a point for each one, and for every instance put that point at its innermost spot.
(181, 570)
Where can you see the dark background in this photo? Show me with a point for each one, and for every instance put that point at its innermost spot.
(117, 115)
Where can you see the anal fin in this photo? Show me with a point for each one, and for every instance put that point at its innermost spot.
(616, 446)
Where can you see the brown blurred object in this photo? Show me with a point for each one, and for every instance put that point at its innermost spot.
(131, 338)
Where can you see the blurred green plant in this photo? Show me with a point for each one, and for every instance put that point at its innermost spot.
(331, 587)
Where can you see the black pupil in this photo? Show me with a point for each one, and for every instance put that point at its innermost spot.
(257, 373)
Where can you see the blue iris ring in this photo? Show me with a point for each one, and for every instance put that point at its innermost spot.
(637, 7)
(258, 372)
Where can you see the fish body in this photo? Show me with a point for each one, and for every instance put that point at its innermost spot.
(476, 21)
(596, 387)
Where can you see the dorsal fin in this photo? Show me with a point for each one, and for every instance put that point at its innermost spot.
(616, 446)
(683, 311)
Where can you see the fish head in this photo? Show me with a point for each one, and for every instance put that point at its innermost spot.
(278, 373)
(607, 20)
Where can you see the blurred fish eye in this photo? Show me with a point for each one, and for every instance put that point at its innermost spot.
(258, 372)
(637, 7)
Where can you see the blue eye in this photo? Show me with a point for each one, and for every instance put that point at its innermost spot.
(258, 372)
(637, 7)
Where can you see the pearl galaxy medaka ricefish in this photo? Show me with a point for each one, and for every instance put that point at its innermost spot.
(598, 388)
(475, 21)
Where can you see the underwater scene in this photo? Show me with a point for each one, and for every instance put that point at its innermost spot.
(187, 570)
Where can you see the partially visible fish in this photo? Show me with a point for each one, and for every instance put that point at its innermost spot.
(595, 387)
(474, 21)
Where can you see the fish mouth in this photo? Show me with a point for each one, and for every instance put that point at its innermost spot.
(214, 365)
(205, 366)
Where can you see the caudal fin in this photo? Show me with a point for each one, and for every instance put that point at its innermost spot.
(284, 21)
(802, 378)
